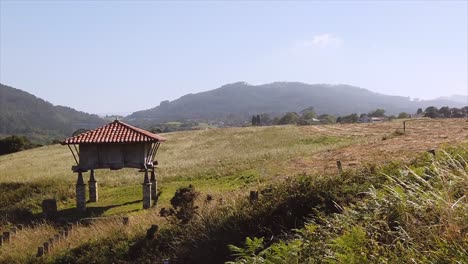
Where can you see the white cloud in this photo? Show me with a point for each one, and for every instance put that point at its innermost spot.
(320, 41)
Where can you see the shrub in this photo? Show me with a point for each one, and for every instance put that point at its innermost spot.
(14, 143)
(183, 205)
(397, 220)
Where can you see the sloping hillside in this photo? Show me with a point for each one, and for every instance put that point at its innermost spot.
(22, 113)
(285, 162)
(242, 100)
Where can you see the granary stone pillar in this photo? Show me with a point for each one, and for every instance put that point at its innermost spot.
(80, 193)
(154, 185)
(146, 191)
(93, 188)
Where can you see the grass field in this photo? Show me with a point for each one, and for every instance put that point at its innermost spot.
(225, 163)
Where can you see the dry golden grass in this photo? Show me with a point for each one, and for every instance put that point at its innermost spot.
(224, 162)
(186, 153)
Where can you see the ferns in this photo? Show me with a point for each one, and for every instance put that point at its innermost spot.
(418, 215)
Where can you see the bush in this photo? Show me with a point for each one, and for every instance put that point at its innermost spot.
(403, 115)
(14, 143)
(396, 220)
(183, 205)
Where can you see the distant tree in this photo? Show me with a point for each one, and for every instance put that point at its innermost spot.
(259, 123)
(265, 119)
(156, 130)
(403, 115)
(465, 110)
(168, 129)
(352, 118)
(308, 115)
(420, 111)
(275, 120)
(289, 118)
(254, 120)
(377, 113)
(14, 143)
(458, 113)
(79, 131)
(445, 112)
(328, 119)
(338, 119)
(431, 112)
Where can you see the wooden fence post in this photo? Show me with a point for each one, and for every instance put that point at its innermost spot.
(57, 238)
(6, 237)
(51, 243)
(40, 252)
(253, 196)
(46, 248)
(340, 167)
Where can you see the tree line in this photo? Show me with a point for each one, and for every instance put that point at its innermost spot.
(308, 116)
(444, 112)
(305, 117)
(15, 143)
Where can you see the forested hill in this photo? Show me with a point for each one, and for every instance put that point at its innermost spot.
(22, 113)
(242, 99)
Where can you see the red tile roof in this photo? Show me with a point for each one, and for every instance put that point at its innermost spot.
(115, 132)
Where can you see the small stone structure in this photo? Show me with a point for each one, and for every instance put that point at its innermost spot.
(253, 196)
(6, 237)
(49, 208)
(80, 193)
(114, 146)
(146, 192)
(40, 252)
(93, 188)
(154, 185)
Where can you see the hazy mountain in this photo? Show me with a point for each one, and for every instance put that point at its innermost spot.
(242, 99)
(22, 113)
(463, 99)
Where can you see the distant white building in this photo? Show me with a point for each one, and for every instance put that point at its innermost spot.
(378, 119)
(368, 119)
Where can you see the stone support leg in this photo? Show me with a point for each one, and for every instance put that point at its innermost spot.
(146, 191)
(80, 193)
(93, 188)
(154, 185)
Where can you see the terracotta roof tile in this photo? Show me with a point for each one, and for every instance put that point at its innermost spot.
(115, 132)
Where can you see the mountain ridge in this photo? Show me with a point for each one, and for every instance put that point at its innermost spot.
(22, 113)
(243, 99)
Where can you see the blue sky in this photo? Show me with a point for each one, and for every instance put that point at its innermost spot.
(123, 56)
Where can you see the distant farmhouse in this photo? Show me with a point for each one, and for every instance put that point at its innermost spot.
(367, 119)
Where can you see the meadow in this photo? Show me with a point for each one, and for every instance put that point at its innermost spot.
(223, 163)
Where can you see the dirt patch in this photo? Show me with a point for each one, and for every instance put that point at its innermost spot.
(379, 143)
